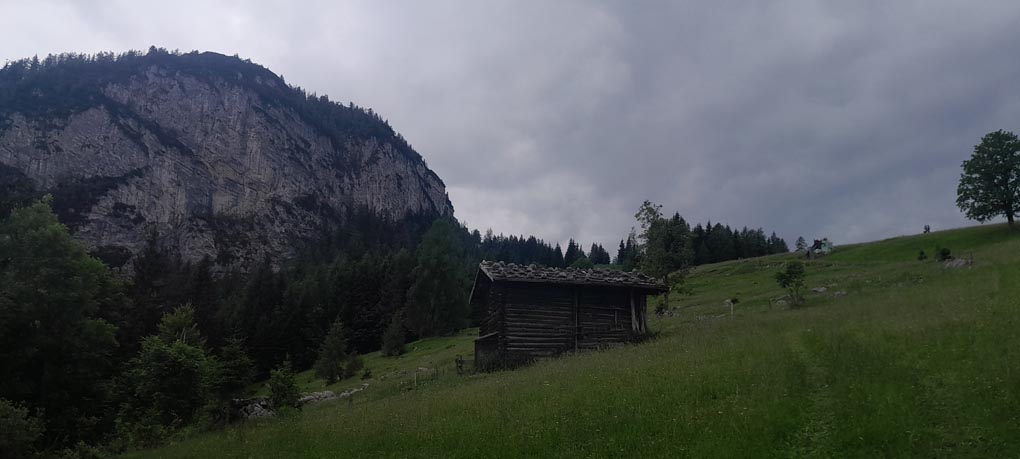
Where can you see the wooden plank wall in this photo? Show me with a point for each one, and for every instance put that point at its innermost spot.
(489, 322)
(539, 320)
(605, 317)
(534, 320)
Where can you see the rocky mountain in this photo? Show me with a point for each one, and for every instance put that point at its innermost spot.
(213, 155)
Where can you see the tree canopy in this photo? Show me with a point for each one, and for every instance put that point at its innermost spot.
(56, 344)
(990, 182)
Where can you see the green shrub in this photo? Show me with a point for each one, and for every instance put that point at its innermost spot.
(792, 279)
(921, 256)
(582, 263)
(138, 429)
(283, 390)
(19, 431)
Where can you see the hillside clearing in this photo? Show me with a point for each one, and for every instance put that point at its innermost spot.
(915, 360)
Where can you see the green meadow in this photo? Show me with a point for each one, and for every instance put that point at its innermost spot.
(915, 360)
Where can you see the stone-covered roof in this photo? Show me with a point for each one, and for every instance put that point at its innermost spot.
(500, 271)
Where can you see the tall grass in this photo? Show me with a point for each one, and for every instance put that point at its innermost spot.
(915, 361)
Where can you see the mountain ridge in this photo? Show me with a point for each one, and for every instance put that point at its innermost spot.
(214, 155)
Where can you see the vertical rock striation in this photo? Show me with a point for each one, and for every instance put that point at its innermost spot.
(216, 155)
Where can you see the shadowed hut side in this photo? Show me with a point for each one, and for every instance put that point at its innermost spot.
(531, 312)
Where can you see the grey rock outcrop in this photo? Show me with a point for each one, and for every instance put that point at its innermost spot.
(213, 166)
(316, 397)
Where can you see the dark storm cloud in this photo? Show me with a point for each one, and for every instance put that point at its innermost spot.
(839, 119)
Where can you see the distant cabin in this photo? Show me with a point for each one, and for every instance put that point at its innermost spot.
(530, 312)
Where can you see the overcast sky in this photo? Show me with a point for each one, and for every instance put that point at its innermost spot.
(558, 118)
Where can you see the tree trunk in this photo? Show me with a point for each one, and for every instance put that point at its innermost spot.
(1009, 219)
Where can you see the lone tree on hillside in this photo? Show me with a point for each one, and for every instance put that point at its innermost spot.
(990, 182)
(792, 279)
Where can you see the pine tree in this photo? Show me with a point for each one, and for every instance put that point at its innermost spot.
(283, 390)
(332, 354)
(180, 325)
(393, 339)
(436, 300)
(236, 369)
(572, 254)
(557, 258)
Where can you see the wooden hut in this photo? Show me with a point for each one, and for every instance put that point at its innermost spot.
(529, 312)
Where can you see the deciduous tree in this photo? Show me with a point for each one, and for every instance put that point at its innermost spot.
(990, 183)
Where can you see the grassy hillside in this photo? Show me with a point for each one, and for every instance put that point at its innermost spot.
(915, 360)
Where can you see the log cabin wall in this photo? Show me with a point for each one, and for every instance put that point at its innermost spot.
(539, 320)
(543, 320)
(605, 317)
(529, 312)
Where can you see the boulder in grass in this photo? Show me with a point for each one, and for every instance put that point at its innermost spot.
(256, 407)
(316, 397)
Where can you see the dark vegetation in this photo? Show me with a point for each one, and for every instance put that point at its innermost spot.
(791, 278)
(990, 182)
(100, 361)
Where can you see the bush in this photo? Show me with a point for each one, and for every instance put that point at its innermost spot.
(921, 256)
(943, 254)
(792, 279)
(582, 263)
(138, 430)
(283, 391)
(18, 431)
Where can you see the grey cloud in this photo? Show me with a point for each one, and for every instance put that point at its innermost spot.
(839, 119)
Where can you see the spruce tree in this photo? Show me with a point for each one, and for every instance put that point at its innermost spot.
(283, 390)
(437, 301)
(393, 339)
(332, 354)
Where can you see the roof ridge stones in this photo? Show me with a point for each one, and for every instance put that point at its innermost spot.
(502, 271)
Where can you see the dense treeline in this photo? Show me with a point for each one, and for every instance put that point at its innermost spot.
(710, 244)
(529, 250)
(96, 360)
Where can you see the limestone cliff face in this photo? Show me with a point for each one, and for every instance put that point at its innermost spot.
(234, 165)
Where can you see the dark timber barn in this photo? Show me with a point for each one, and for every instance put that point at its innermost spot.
(528, 312)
